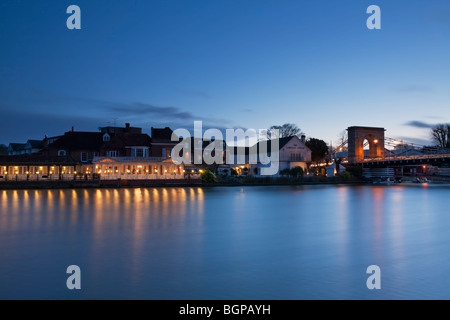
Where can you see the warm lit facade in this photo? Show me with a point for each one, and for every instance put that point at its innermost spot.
(128, 168)
(38, 168)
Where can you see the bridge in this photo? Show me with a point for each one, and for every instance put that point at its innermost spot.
(368, 147)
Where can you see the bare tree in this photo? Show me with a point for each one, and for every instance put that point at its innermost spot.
(342, 141)
(441, 135)
(286, 130)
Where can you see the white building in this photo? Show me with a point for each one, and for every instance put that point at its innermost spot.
(293, 152)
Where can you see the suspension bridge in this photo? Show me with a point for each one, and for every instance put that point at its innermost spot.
(368, 147)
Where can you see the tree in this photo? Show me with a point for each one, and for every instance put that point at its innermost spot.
(297, 172)
(342, 141)
(319, 149)
(209, 176)
(441, 135)
(286, 130)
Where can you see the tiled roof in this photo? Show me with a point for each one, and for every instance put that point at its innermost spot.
(34, 159)
(282, 142)
(78, 141)
(17, 146)
(128, 140)
(161, 135)
(35, 143)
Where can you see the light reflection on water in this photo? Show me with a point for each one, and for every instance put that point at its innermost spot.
(226, 243)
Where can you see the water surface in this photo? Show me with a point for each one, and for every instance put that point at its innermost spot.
(312, 242)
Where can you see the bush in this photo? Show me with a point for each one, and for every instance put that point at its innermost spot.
(345, 175)
(297, 172)
(209, 177)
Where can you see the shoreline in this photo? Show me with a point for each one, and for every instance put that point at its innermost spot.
(119, 184)
(108, 184)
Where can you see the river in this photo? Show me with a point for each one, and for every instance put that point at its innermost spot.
(305, 242)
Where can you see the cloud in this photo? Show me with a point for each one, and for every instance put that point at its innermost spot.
(143, 109)
(417, 141)
(157, 115)
(419, 124)
(19, 126)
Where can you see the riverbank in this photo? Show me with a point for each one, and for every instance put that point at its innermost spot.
(237, 182)
(96, 184)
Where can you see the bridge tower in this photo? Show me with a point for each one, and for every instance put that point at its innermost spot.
(356, 138)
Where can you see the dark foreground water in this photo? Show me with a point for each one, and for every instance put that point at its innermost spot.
(226, 243)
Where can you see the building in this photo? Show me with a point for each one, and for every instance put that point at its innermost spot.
(142, 168)
(293, 152)
(136, 145)
(34, 146)
(132, 155)
(116, 130)
(162, 143)
(80, 146)
(3, 150)
(15, 149)
(37, 168)
(113, 153)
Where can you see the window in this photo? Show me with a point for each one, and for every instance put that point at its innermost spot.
(62, 153)
(84, 157)
(113, 154)
(296, 157)
(106, 137)
(139, 153)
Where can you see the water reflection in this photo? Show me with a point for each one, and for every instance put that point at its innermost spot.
(226, 243)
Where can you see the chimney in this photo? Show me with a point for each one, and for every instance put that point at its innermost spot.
(303, 138)
(73, 129)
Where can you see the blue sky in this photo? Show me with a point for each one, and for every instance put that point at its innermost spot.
(234, 63)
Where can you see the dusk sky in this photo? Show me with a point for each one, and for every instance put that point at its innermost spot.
(234, 63)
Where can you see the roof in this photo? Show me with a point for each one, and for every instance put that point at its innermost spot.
(3, 150)
(78, 141)
(282, 142)
(17, 146)
(36, 160)
(162, 135)
(116, 130)
(128, 140)
(35, 143)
